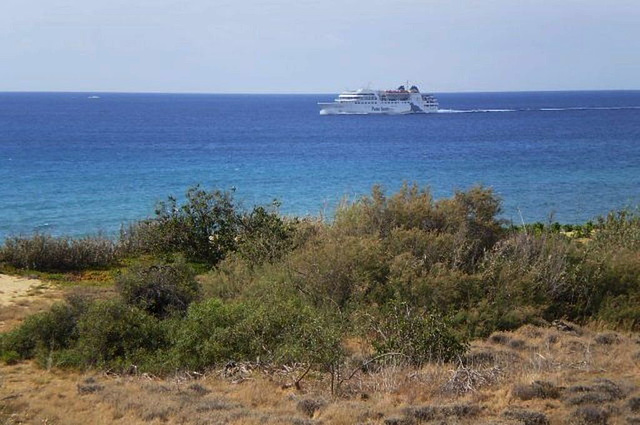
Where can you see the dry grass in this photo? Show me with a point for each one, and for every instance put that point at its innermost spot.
(556, 377)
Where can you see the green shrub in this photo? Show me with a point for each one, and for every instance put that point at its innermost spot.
(47, 253)
(208, 226)
(622, 311)
(529, 268)
(472, 219)
(143, 237)
(420, 337)
(204, 228)
(264, 236)
(159, 289)
(411, 207)
(278, 330)
(9, 357)
(289, 330)
(230, 278)
(428, 248)
(113, 334)
(604, 274)
(340, 270)
(619, 229)
(469, 217)
(206, 335)
(44, 332)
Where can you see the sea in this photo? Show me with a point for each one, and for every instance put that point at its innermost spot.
(80, 164)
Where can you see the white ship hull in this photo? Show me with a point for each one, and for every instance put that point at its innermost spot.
(333, 108)
(389, 102)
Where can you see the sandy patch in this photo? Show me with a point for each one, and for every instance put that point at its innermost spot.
(12, 288)
(21, 296)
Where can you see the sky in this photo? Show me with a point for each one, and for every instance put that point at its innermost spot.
(318, 46)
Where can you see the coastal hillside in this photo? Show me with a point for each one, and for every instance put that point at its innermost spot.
(402, 309)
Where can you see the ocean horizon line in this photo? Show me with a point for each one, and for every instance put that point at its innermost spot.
(196, 93)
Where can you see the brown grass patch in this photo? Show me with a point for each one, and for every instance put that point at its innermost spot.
(572, 380)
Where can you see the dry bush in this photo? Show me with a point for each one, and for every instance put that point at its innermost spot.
(499, 338)
(589, 415)
(89, 386)
(600, 391)
(634, 404)
(209, 405)
(465, 379)
(47, 253)
(479, 357)
(427, 413)
(310, 406)
(526, 417)
(607, 338)
(423, 413)
(537, 389)
(531, 332)
(566, 326)
(399, 421)
(198, 389)
(517, 344)
(460, 410)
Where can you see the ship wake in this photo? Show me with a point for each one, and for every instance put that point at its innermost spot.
(572, 108)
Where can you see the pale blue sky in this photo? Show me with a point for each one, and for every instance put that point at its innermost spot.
(318, 46)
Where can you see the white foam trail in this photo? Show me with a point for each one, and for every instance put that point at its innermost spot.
(495, 110)
(468, 111)
(471, 111)
(571, 108)
(589, 108)
(451, 111)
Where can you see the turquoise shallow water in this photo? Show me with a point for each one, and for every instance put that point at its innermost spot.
(74, 164)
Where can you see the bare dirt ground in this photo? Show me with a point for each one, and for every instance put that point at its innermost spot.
(21, 297)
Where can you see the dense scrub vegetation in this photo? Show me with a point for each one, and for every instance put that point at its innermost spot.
(405, 275)
(46, 253)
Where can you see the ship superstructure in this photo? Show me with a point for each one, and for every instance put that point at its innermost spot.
(366, 101)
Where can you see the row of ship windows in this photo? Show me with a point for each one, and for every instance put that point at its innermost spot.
(424, 100)
(383, 101)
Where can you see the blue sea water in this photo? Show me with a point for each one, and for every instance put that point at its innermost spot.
(80, 163)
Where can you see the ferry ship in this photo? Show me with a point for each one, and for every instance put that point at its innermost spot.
(366, 101)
